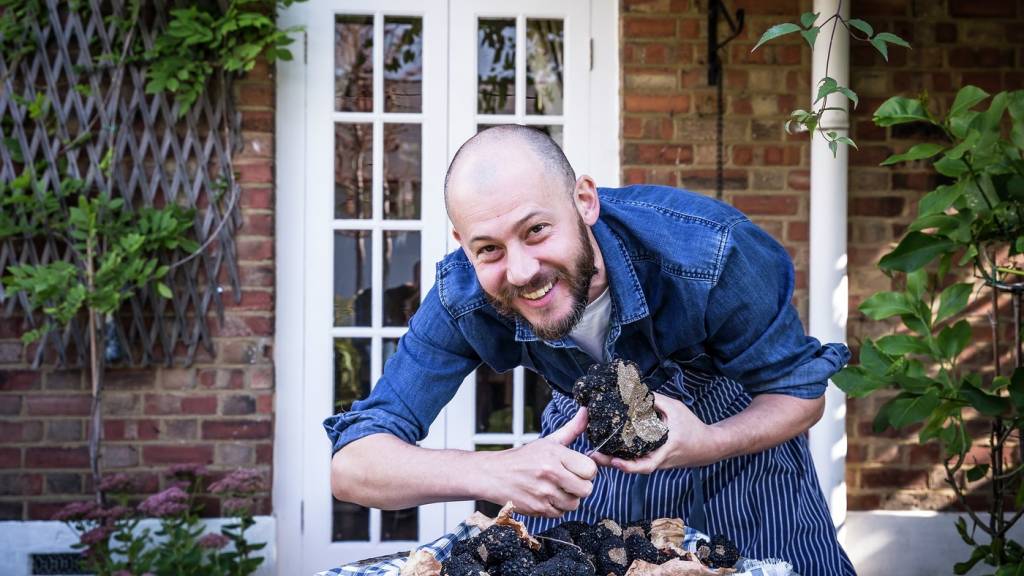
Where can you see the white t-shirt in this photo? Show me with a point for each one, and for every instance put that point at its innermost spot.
(592, 331)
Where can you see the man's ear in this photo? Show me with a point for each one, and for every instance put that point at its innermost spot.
(455, 235)
(588, 205)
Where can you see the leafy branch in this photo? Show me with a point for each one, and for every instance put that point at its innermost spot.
(810, 120)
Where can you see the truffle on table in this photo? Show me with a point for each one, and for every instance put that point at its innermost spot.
(622, 419)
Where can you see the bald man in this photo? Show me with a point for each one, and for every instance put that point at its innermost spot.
(555, 274)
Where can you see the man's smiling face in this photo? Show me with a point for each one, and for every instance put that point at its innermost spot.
(528, 238)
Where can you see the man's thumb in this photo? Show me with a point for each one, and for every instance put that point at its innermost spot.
(572, 429)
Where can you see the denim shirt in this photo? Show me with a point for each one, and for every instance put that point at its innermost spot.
(694, 283)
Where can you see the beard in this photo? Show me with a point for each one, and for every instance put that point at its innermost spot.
(577, 279)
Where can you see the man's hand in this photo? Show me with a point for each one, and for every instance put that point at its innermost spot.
(768, 421)
(690, 442)
(544, 477)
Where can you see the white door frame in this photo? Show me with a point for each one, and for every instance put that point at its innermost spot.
(294, 192)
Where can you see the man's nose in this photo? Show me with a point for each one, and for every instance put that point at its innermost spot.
(522, 266)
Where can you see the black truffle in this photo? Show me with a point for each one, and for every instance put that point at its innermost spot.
(640, 548)
(553, 540)
(564, 564)
(612, 557)
(521, 564)
(461, 565)
(724, 553)
(498, 544)
(622, 419)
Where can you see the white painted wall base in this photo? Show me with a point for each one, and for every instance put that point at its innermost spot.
(20, 539)
(910, 543)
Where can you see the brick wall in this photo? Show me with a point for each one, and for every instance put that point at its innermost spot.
(668, 136)
(218, 412)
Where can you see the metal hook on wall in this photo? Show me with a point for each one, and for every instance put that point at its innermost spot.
(715, 9)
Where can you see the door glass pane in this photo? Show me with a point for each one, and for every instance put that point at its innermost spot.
(353, 63)
(351, 383)
(399, 524)
(352, 250)
(353, 171)
(496, 66)
(403, 64)
(403, 153)
(544, 57)
(493, 400)
(536, 394)
(555, 131)
(401, 276)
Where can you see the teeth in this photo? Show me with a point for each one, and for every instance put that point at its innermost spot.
(539, 293)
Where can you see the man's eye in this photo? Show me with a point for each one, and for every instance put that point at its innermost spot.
(490, 249)
(537, 228)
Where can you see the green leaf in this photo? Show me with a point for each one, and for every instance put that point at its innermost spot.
(952, 300)
(977, 555)
(775, 32)
(854, 381)
(900, 110)
(164, 290)
(882, 48)
(907, 410)
(943, 222)
(847, 141)
(951, 167)
(916, 152)
(807, 19)
(891, 39)
(977, 473)
(953, 339)
(810, 36)
(900, 344)
(849, 94)
(982, 401)
(872, 360)
(887, 304)
(861, 25)
(826, 86)
(967, 98)
(1016, 389)
(940, 199)
(961, 528)
(914, 251)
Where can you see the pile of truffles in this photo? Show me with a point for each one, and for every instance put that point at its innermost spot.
(504, 548)
(621, 416)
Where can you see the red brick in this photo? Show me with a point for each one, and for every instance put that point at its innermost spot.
(177, 454)
(257, 224)
(262, 301)
(240, 326)
(648, 27)
(57, 457)
(689, 28)
(879, 8)
(894, 478)
(44, 510)
(776, 7)
(66, 405)
(255, 94)
(883, 206)
(781, 155)
(21, 431)
(742, 155)
(164, 404)
(20, 380)
(767, 204)
(799, 180)
(129, 379)
(257, 248)
(797, 231)
(963, 57)
(10, 405)
(265, 404)
(657, 154)
(982, 9)
(864, 502)
(10, 457)
(10, 352)
(707, 179)
(676, 103)
(258, 120)
(237, 429)
(255, 173)
(265, 454)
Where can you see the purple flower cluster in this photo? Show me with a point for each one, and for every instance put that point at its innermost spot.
(97, 535)
(171, 502)
(213, 541)
(76, 511)
(112, 513)
(118, 484)
(236, 506)
(241, 481)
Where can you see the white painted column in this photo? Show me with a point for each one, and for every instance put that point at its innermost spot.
(827, 267)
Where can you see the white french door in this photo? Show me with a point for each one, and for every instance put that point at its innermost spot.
(386, 92)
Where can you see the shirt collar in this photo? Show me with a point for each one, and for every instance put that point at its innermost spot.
(628, 301)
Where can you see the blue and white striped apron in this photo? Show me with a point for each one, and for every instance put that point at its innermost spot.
(769, 503)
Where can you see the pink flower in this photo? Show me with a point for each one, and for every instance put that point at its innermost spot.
(75, 511)
(113, 513)
(236, 506)
(96, 535)
(170, 502)
(241, 481)
(118, 483)
(213, 541)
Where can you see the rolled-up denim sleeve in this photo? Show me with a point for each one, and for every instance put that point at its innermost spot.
(754, 332)
(419, 379)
